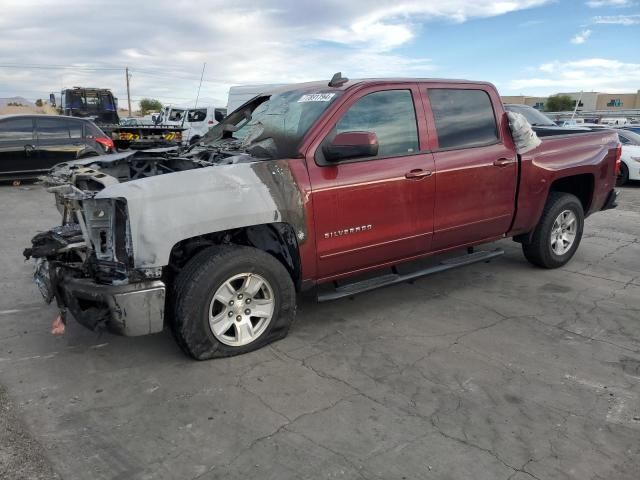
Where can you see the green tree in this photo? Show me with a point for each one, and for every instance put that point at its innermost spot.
(149, 105)
(559, 103)
(39, 102)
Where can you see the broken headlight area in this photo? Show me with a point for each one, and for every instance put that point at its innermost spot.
(107, 228)
(94, 243)
(86, 263)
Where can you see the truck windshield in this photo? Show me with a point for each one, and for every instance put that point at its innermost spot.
(274, 125)
(533, 116)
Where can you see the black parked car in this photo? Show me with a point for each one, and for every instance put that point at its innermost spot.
(32, 144)
(540, 123)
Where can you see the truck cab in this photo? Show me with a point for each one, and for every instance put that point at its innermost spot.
(98, 104)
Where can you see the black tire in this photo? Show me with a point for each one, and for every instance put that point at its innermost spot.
(203, 275)
(624, 175)
(539, 251)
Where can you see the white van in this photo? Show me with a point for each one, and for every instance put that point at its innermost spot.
(196, 121)
(239, 94)
(614, 121)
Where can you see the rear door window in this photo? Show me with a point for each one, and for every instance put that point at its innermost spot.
(58, 129)
(389, 114)
(16, 130)
(464, 118)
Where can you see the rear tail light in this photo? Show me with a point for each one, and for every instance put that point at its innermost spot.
(618, 156)
(210, 122)
(106, 143)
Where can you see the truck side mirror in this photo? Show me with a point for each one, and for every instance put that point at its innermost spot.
(347, 145)
(52, 99)
(218, 115)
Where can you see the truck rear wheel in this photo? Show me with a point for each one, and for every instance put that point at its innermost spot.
(558, 233)
(231, 300)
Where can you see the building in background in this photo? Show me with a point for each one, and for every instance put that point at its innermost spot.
(589, 101)
(535, 102)
(618, 101)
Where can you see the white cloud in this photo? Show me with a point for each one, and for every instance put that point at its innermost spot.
(387, 26)
(609, 3)
(241, 41)
(589, 74)
(581, 37)
(625, 20)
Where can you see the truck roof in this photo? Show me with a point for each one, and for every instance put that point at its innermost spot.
(324, 84)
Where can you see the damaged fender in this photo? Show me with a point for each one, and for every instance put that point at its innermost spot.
(207, 200)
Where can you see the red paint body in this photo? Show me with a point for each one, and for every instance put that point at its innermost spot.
(458, 198)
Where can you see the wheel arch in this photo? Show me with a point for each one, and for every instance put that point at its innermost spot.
(277, 239)
(581, 185)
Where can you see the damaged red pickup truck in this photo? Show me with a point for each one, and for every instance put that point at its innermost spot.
(310, 184)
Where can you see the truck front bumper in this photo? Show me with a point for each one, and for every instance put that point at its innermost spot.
(130, 310)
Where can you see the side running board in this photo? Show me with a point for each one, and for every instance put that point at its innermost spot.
(350, 289)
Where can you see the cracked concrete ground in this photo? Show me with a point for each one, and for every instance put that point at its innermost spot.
(492, 371)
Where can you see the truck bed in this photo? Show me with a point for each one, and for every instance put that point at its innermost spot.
(589, 153)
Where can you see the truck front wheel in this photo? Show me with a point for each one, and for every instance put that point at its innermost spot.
(231, 300)
(558, 233)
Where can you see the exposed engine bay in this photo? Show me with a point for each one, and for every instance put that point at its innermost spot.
(95, 173)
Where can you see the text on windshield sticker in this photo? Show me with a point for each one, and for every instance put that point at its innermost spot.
(316, 97)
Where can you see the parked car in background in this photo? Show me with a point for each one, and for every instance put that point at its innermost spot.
(613, 121)
(31, 144)
(630, 159)
(542, 125)
(195, 121)
(308, 185)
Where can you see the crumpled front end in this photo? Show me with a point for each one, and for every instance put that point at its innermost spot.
(86, 264)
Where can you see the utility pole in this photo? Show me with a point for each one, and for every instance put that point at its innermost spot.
(126, 71)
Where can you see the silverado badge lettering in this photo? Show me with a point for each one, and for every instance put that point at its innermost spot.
(348, 231)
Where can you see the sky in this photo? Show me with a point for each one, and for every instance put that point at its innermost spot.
(528, 47)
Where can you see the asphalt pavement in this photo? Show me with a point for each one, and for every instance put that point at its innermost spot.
(491, 371)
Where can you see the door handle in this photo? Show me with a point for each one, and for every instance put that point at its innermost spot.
(502, 162)
(417, 174)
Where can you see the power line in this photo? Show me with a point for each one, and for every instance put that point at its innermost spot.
(167, 71)
(57, 67)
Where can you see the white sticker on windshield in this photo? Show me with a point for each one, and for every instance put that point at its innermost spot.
(316, 97)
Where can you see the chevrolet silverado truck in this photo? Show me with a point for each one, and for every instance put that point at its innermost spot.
(334, 185)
